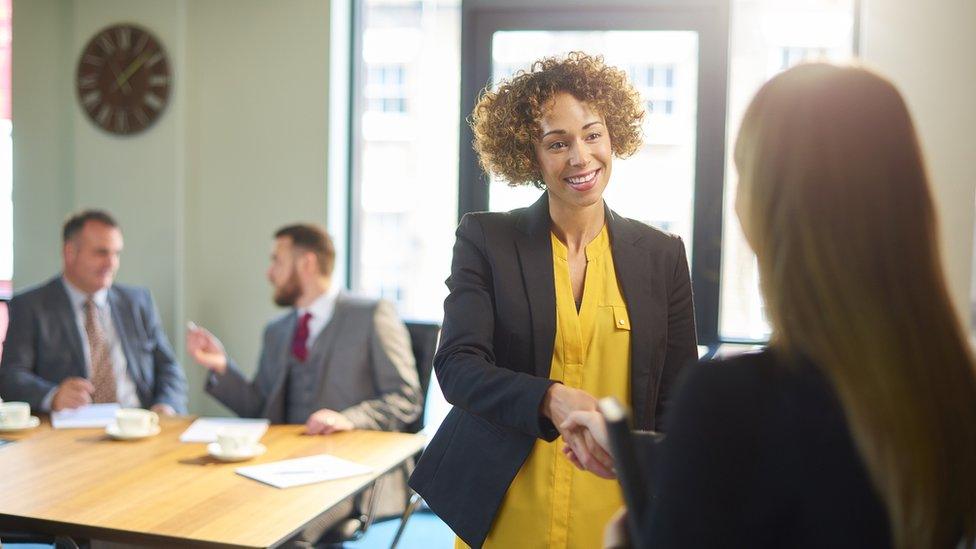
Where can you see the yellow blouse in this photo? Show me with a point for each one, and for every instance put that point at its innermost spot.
(550, 503)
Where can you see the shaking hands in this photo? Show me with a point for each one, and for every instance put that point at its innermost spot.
(574, 414)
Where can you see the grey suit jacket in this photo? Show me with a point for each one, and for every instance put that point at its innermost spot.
(366, 372)
(43, 346)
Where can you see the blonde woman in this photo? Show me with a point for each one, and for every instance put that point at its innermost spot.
(857, 426)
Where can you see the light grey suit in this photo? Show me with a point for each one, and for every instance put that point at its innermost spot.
(43, 346)
(362, 365)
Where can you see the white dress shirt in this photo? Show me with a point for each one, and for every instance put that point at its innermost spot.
(125, 388)
(321, 309)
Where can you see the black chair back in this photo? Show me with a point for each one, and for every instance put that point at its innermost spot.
(423, 340)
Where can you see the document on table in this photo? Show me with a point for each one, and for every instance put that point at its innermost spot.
(93, 415)
(306, 470)
(205, 429)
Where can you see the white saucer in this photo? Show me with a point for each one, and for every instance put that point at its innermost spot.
(34, 421)
(113, 431)
(214, 450)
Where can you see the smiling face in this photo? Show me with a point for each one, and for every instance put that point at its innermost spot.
(574, 153)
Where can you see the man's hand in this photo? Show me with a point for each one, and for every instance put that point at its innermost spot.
(72, 393)
(163, 409)
(587, 443)
(327, 421)
(205, 349)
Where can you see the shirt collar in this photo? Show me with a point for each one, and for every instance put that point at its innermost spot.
(78, 297)
(323, 305)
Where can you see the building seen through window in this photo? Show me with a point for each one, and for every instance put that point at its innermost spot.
(405, 187)
(404, 202)
(768, 36)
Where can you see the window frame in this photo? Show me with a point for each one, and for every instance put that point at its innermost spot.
(479, 20)
(710, 19)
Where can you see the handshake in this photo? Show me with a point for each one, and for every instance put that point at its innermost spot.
(574, 413)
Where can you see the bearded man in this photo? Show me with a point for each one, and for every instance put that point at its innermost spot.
(333, 362)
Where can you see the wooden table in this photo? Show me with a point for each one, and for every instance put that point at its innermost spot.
(159, 491)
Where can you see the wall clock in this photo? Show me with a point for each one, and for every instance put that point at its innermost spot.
(123, 79)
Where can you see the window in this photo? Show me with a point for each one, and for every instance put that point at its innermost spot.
(696, 80)
(403, 192)
(768, 36)
(656, 85)
(385, 88)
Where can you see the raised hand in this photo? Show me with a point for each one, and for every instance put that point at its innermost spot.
(205, 349)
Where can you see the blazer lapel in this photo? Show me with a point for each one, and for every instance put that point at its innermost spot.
(123, 319)
(283, 353)
(65, 311)
(632, 265)
(535, 260)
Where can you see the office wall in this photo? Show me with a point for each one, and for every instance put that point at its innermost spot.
(242, 146)
(926, 49)
(256, 144)
(42, 190)
(62, 162)
(240, 150)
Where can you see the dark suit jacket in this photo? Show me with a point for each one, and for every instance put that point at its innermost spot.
(364, 367)
(758, 454)
(496, 351)
(43, 346)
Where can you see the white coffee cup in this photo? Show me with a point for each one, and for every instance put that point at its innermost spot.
(14, 414)
(135, 421)
(236, 441)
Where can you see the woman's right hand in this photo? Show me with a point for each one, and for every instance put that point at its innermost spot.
(559, 403)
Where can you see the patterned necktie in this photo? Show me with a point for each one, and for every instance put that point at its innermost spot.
(102, 374)
(298, 341)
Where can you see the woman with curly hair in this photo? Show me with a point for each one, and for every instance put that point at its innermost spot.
(550, 308)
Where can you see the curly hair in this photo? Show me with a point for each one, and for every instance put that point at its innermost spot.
(506, 121)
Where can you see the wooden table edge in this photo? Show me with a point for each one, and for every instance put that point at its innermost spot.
(19, 523)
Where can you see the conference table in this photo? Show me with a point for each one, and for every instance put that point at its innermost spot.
(159, 491)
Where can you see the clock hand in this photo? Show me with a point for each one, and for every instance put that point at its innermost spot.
(130, 70)
(118, 80)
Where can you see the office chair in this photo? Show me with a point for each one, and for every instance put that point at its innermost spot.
(423, 342)
(423, 338)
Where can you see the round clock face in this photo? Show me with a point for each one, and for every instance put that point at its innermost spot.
(123, 79)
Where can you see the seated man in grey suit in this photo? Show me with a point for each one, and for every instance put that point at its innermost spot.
(333, 362)
(78, 338)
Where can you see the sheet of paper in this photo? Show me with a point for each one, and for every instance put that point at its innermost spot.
(86, 417)
(306, 470)
(205, 429)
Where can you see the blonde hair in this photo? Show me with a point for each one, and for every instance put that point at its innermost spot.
(835, 202)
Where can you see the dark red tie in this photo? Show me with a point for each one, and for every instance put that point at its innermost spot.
(298, 347)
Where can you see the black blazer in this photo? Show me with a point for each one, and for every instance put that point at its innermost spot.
(496, 351)
(759, 454)
(43, 346)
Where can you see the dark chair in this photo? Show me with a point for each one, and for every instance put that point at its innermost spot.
(423, 337)
(423, 342)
